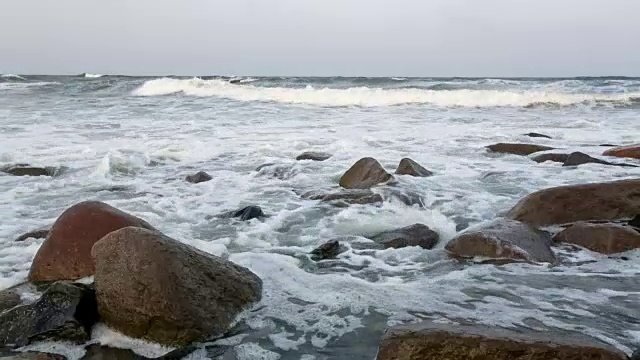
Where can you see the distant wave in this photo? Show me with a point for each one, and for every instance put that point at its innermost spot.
(364, 96)
(398, 78)
(12, 76)
(89, 75)
(23, 85)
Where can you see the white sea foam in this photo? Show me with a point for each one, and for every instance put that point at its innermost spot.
(371, 97)
(12, 76)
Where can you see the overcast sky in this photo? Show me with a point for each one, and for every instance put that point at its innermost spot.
(322, 37)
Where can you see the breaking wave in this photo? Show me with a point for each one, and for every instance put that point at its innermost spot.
(371, 97)
(89, 75)
(12, 76)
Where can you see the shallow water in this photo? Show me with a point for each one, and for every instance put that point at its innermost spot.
(130, 141)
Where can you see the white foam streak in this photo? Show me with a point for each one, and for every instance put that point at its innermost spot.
(370, 97)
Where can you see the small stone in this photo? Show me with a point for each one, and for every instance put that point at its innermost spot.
(198, 177)
(248, 213)
(313, 155)
(537, 135)
(328, 250)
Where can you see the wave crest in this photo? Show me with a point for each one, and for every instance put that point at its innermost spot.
(12, 76)
(370, 97)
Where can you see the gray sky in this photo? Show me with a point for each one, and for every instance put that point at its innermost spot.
(322, 37)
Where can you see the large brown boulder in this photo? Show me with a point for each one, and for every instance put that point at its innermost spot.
(364, 174)
(410, 167)
(153, 287)
(503, 239)
(602, 238)
(66, 253)
(517, 149)
(631, 151)
(566, 204)
(428, 340)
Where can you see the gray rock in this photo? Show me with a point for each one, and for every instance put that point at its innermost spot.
(537, 135)
(313, 155)
(517, 149)
(27, 170)
(414, 235)
(345, 197)
(9, 299)
(153, 287)
(410, 167)
(328, 250)
(503, 239)
(198, 177)
(428, 340)
(35, 234)
(246, 213)
(66, 311)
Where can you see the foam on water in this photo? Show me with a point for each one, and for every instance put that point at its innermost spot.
(371, 97)
(134, 151)
(12, 76)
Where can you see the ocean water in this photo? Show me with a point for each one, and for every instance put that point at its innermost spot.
(130, 141)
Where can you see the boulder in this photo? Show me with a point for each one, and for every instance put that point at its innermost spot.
(566, 204)
(246, 213)
(630, 151)
(428, 340)
(344, 198)
(66, 253)
(27, 170)
(517, 149)
(561, 158)
(413, 235)
(313, 155)
(364, 174)
(153, 287)
(410, 167)
(578, 158)
(537, 135)
(198, 177)
(65, 312)
(503, 239)
(328, 250)
(602, 238)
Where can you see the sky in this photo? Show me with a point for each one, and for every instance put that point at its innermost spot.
(321, 37)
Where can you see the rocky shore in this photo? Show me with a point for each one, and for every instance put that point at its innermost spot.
(99, 264)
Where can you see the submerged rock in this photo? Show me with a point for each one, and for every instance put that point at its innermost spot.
(27, 170)
(313, 155)
(567, 204)
(246, 213)
(413, 235)
(561, 158)
(328, 250)
(198, 177)
(410, 167)
(503, 239)
(278, 171)
(364, 174)
(345, 197)
(537, 135)
(35, 234)
(578, 158)
(65, 312)
(428, 340)
(602, 238)
(31, 355)
(101, 352)
(630, 151)
(66, 253)
(153, 287)
(517, 149)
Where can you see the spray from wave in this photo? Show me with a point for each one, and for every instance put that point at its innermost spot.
(371, 97)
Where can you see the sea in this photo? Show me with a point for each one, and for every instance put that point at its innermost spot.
(130, 141)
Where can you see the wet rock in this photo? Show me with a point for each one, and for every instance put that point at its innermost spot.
(635, 355)
(631, 151)
(66, 253)
(328, 250)
(246, 213)
(410, 167)
(503, 239)
(428, 340)
(607, 145)
(345, 197)
(9, 299)
(65, 312)
(567, 204)
(101, 352)
(31, 355)
(578, 158)
(537, 135)
(198, 177)
(27, 170)
(602, 238)
(414, 235)
(364, 174)
(517, 149)
(278, 171)
(153, 287)
(635, 222)
(35, 234)
(561, 158)
(313, 155)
